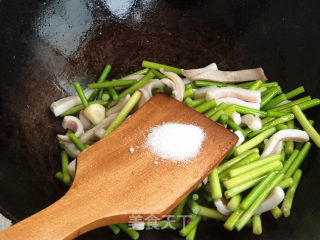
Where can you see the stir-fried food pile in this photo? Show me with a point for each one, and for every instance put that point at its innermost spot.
(259, 176)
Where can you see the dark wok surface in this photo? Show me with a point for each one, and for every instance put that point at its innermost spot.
(46, 45)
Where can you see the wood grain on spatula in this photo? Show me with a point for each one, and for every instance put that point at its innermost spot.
(112, 183)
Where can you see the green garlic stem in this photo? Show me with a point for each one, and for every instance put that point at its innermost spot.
(65, 172)
(187, 229)
(288, 199)
(295, 92)
(124, 112)
(215, 184)
(77, 142)
(306, 125)
(179, 210)
(101, 79)
(254, 165)
(256, 225)
(113, 83)
(286, 183)
(233, 182)
(290, 160)
(276, 212)
(298, 160)
(291, 104)
(129, 231)
(242, 187)
(247, 110)
(234, 203)
(206, 106)
(275, 101)
(158, 66)
(115, 229)
(267, 97)
(235, 160)
(257, 84)
(255, 141)
(81, 94)
(254, 207)
(256, 191)
(131, 90)
(231, 221)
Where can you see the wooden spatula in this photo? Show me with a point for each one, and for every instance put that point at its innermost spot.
(112, 183)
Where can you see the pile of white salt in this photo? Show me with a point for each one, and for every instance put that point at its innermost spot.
(175, 141)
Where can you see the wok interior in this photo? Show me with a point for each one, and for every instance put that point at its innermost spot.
(45, 47)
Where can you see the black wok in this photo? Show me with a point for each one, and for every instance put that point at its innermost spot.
(46, 45)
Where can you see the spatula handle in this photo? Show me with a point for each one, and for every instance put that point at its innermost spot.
(66, 219)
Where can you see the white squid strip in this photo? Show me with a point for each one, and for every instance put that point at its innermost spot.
(240, 137)
(72, 168)
(145, 96)
(205, 181)
(133, 77)
(253, 122)
(284, 135)
(236, 118)
(84, 120)
(186, 81)
(72, 123)
(202, 92)
(228, 76)
(146, 91)
(71, 149)
(194, 72)
(237, 101)
(234, 92)
(222, 206)
(99, 133)
(65, 104)
(178, 89)
(282, 103)
(90, 134)
(273, 200)
(153, 84)
(117, 108)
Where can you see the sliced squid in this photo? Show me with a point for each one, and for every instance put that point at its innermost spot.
(233, 92)
(84, 120)
(240, 137)
(71, 149)
(237, 101)
(253, 122)
(236, 118)
(146, 91)
(72, 168)
(282, 103)
(194, 72)
(133, 77)
(90, 134)
(222, 206)
(227, 76)
(202, 92)
(65, 104)
(283, 135)
(177, 84)
(153, 84)
(99, 133)
(119, 106)
(145, 96)
(72, 123)
(273, 200)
